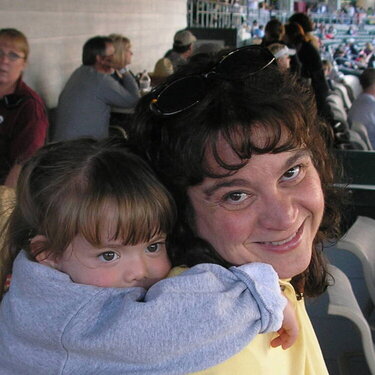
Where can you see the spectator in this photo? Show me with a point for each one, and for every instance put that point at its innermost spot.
(273, 32)
(331, 32)
(163, 69)
(85, 103)
(23, 118)
(282, 54)
(259, 32)
(183, 47)
(311, 66)
(308, 26)
(122, 58)
(351, 31)
(363, 108)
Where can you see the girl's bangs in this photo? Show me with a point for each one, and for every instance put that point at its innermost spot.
(131, 220)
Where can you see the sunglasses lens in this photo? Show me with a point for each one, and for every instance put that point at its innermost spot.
(243, 62)
(180, 95)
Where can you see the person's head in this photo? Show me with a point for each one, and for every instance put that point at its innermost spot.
(367, 79)
(123, 51)
(282, 54)
(95, 211)
(327, 67)
(246, 162)
(304, 20)
(274, 30)
(14, 51)
(183, 42)
(294, 34)
(98, 52)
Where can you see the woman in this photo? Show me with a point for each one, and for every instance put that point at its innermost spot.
(240, 146)
(122, 57)
(308, 27)
(23, 118)
(311, 66)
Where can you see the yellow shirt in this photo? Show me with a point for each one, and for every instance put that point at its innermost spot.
(259, 358)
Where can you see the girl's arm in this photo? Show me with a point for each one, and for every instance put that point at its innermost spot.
(185, 323)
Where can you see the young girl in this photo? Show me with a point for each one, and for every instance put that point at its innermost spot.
(87, 237)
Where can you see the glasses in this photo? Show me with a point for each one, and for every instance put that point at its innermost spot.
(12, 100)
(183, 93)
(12, 56)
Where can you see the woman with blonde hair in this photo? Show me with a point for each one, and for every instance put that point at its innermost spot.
(122, 57)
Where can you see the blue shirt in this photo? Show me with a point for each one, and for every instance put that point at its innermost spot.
(363, 111)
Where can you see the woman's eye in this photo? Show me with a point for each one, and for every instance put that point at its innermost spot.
(154, 247)
(291, 173)
(236, 197)
(108, 256)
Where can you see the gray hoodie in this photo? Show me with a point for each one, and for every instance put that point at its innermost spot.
(50, 325)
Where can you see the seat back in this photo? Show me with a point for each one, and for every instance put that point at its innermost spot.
(336, 104)
(362, 131)
(356, 140)
(343, 302)
(353, 81)
(360, 240)
(340, 89)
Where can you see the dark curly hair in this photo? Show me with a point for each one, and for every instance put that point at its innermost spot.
(175, 146)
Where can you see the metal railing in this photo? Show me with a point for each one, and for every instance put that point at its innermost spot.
(217, 14)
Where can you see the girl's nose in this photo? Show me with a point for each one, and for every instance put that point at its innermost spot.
(135, 270)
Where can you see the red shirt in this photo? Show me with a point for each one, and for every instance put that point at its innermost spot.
(23, 128)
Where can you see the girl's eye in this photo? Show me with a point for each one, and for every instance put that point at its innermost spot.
(155, 247)
(108, 256)
(291, 173)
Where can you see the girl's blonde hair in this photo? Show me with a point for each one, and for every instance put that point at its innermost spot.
(66, 189)
(121, 43)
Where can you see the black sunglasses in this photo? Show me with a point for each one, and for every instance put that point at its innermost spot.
(183, 93)
(12, 100)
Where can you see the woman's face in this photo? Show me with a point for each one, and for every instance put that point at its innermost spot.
(128, 54)
(12, 62)
(268, 211)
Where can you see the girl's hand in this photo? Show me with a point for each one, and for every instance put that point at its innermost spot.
(289, 330)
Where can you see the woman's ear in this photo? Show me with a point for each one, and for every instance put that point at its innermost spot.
(44, 256)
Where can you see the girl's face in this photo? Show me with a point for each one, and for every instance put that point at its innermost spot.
(268, 211)
(114, 265)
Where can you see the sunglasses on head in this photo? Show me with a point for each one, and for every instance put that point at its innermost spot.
(183, 93)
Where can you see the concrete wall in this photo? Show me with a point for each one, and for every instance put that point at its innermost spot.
(57, 30)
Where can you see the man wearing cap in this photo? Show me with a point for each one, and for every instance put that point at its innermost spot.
(282, 54)
(183, 46)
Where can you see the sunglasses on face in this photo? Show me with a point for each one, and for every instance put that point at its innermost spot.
(183, 93)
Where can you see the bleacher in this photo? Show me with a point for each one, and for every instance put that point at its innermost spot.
(361, 37)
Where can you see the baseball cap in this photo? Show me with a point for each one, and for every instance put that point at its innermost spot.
(284, 51)
(184, 38)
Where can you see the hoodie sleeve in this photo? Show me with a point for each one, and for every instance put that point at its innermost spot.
(182, 324)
